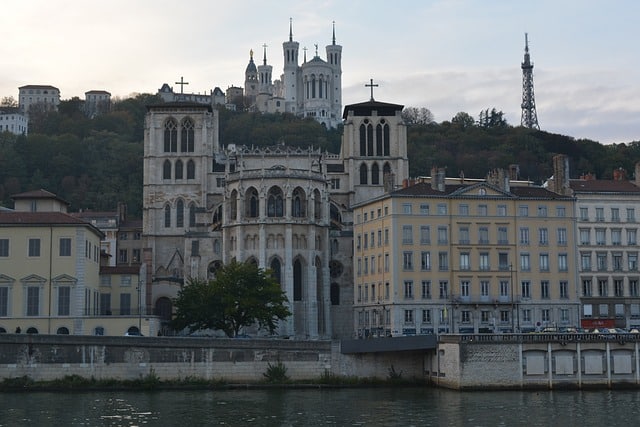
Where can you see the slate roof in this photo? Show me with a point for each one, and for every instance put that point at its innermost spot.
(42, 219)
(603, 186)
(424, 189)
(366, 109)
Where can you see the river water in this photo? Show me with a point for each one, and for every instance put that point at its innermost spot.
(414, 406)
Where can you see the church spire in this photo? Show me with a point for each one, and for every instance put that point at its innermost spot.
(264, 60)
(290, 29)
(334, 33)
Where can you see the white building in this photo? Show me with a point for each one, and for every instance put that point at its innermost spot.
(13, 121)
(43, 97)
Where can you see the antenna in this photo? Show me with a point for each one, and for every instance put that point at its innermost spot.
(529, 116)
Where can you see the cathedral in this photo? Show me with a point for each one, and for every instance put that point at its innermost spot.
(286, 209)
(310, 89)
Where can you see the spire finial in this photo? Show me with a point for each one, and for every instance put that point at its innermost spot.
(305, 54)
(316, 45)
(334, 32)
(264, 61)
(290, 29)
(251, 54)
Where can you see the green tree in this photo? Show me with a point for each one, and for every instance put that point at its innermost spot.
(240, 295)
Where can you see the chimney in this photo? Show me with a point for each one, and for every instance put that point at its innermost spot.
(438, 176)
(514, 172)
(560, 174)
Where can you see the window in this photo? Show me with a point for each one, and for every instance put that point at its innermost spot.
(525, 288)
(33, 301)
(275, 203)
(335, 183)
(187, 136)
(386, 262)
(464, 288)
(442, 236)
(562, 236)
(544, 289)
(463, 237)
(524, 235)
(191, 170)
(504, 288)
(406, 208)
(64, 300)
(425, 235)
(546, 315)
(631, 215)
(615, 214)
(123, 256)
(443, 261)
(603, 309)
(543, 235)
(587, 310)
(633, 288)
(564, 289)
(180, 214)
(482, 210)
(125, 304)
(483, 235)
(600, 236)
(632, 261)
(585, 261)
(485, 316)
(426, 316)
(366, 265)
(465, 316)
(166, 170)
(442, 209)
(484, 261)
(464, 261)
(618, 287)
(601, 259)
(170, 136)
(561, 211)
(4, 247)
(503, 261)
(502, 210)
(4, 301)
(125, 280)
(586, 288)
(408, 316)
(523, 210)
(34, 247)
(632, 237)
(600, 214)
(616, 257)
(167, 216)
(504, 316)
(366, 240)
(463, 210)
(603, 287)
(584, 214)
(562, 262)
(444, 289)
(585, 236)
(525, 264)
(179, 169)
(616, 237)
(426, 289)
(407, 260)
(424, 209)
(386, 236)
(542, 211)
(408, 289)
(503, 238)
(425, 261)
(544, 262)
(407, 234)
(484, 288)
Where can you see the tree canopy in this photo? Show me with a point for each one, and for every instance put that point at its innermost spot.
(240, 295)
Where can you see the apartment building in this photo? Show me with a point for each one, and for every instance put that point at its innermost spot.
(464, 256)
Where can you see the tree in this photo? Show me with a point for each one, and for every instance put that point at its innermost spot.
(463, 120)
(9, 101)
(417, 116)
(240, 295)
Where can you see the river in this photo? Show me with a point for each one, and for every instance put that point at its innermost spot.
(414, 406)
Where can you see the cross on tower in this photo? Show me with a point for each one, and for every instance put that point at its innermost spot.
(371, 85)
(182, 83)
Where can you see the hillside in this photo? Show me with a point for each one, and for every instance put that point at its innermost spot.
(96, 163)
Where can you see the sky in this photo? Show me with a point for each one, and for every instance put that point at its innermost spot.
(445, 55)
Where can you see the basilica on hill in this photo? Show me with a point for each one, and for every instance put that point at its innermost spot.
(286, 209)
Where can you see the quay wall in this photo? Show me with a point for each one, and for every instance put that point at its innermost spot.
(48, 357)
(554, 361)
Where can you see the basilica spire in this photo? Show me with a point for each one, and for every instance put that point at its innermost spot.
(290, 29)
(264, 60)
(334, 33)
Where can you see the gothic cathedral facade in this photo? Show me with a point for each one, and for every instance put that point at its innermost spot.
(286, 209)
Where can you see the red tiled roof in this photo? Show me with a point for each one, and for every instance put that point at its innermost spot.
(603, 186)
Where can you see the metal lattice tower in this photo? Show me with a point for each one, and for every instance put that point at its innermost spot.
(529, 116)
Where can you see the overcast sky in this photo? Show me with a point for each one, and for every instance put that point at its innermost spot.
(445, 55)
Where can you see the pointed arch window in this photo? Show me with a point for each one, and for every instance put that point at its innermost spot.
(187, 136)
(252, 203)
(375, 174)
(363, 140)
(275, 203)
(379, 151)
(192, 215)
(363, 174)
(233, 206)
(179, 168)
(369, 139)
(276, 270)
(317, 205)
(167, 216)
(170, 136)
(320, 87)
(298, 203)
(335, 294)
(166, 170)
(297, 280)
(385, 139)
(386, 169)
(180, 214)
(191, 169)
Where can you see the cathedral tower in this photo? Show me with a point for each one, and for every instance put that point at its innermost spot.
(334, 58)
(290, 75)
(251, 82)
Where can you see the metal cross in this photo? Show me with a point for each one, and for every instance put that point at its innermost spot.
(371, 85)
(182, 83)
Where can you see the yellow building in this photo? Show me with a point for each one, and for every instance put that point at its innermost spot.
(49, 272)
(468, 256)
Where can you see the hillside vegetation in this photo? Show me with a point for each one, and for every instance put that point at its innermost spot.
(96, 163)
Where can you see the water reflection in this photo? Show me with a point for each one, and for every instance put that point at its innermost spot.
(311, 407)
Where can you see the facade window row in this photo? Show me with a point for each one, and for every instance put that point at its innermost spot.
(179, 169)
(176, 216)
(181, 135)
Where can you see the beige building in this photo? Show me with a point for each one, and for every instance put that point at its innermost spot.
(464, 256)
(50, 276)
(42, 97)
